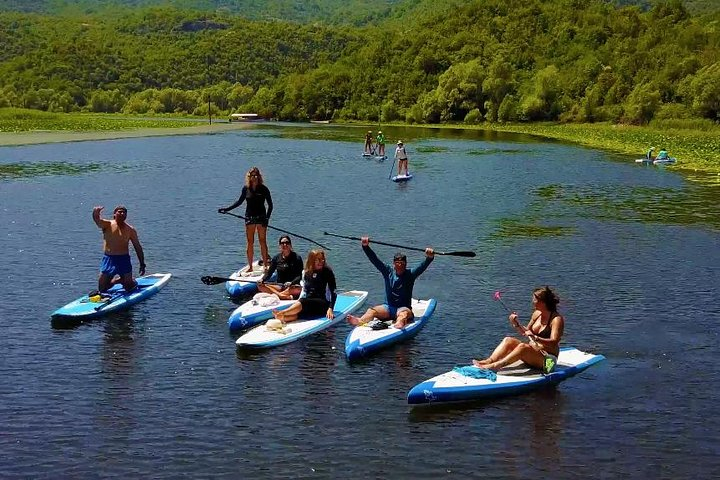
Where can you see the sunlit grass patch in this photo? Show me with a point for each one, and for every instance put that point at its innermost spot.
(27, 170)
(15, 120)
(497, 151)
(431, 149)
(515, 228)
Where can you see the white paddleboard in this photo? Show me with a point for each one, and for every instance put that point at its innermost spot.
(256, 310)
(263, 337)
(364, 340)
(514, 379)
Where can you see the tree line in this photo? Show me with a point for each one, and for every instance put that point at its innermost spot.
(441, 61)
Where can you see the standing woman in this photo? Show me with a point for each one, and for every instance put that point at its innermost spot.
(256, 217)
(319, 291)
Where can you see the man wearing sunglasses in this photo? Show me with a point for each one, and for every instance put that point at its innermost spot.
(289, 267)
(399, 283)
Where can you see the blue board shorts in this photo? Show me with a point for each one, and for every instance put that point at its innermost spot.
(112, 265)
(393, 311)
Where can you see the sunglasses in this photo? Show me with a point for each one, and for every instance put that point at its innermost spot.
(284, 243)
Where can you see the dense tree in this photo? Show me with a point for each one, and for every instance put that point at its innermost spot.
(422, 60)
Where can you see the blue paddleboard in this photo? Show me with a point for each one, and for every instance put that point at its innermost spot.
(115, 299)
(364, 340)
(512, 380)
(263, 337)
(245, 282)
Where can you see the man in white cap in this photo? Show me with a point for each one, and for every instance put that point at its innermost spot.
(402, 158)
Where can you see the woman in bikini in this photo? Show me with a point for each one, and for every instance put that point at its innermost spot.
(543, 332)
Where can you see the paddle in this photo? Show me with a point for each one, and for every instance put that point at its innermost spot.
(283, 231)
(392, 167)
(211, 280)
(112, 298)
(455, 254)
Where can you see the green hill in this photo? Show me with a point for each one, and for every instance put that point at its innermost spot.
(428, 61)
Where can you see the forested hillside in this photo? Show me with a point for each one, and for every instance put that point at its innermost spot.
(327, 11)
(430, 61)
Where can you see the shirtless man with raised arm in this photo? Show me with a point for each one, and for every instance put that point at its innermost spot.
(116, 236)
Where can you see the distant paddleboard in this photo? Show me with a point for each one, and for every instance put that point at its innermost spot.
(402, 178)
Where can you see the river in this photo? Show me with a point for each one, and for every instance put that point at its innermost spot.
(160, 390)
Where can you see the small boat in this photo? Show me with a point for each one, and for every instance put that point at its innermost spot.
(514, 379)
(244, 117)
(375, 335)
(262, 336)
(246, 283)
(115, 299)
(256, 311)
(402, 178)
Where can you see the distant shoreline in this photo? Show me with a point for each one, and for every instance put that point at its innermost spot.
(56, 136)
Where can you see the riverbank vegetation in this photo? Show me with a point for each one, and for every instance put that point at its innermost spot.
(506, 64)
(16, 120)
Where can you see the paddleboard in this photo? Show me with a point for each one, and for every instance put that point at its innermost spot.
(402, 178)
(380, 157)
(512, 380)
(256, 310)
(367, 155)
(246, 283)
(262, 337)
(364, 340)
(115, 299)
(667, 161)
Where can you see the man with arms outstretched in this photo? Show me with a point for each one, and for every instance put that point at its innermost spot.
(116, 238)
(399, 283)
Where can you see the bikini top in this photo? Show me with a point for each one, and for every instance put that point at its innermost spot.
(547, 331)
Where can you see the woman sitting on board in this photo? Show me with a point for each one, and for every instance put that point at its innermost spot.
(289, 268)
(543, 331)
(318, 294)
(256, 218)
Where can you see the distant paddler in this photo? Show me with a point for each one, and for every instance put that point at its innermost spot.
(662, 155)
(368, 142)
(402, 158)
(380, 140)
(117, 235)
(649, 154)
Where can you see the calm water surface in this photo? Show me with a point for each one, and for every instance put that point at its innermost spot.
(161, 391)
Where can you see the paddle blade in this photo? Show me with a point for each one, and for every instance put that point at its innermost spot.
(457, 254)
(209, 280)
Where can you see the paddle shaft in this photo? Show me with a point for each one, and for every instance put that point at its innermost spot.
(283, 231)
(456, 254)
(211, 280)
